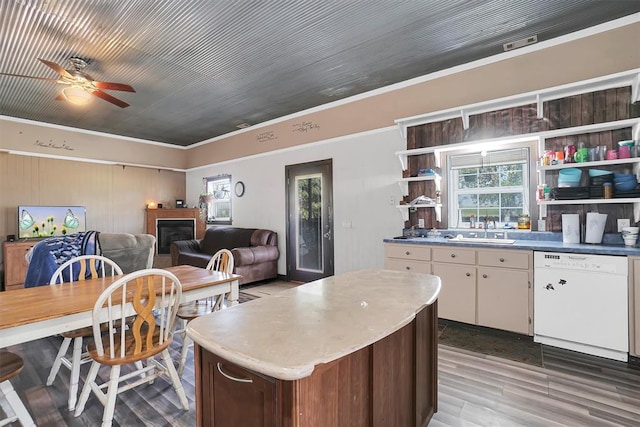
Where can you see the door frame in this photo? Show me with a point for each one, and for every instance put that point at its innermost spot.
(326, 168)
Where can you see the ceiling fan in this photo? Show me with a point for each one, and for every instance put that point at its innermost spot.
(80, 84)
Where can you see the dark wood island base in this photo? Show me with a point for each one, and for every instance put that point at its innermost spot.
(390, 383)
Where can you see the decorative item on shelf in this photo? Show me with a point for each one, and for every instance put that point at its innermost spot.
(179, 203)
(524, 222)
(426, 172)
(151, 205)
(569, 153)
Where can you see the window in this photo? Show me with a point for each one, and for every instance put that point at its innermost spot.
(216, 199)
(492, 185)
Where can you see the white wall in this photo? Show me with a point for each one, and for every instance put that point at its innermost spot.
(365, 175)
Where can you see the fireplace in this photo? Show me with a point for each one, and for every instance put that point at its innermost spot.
(170, 230)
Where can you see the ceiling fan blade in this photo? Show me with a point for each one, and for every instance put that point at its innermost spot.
(114, 86)
(31, 77)
(55, 67)
(109, 98)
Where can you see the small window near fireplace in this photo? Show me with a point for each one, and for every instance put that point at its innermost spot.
(171, 230)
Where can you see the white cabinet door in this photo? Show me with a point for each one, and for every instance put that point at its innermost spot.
(457, 300)
(503, 299)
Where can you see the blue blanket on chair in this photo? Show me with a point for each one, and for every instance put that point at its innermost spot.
(48, 254)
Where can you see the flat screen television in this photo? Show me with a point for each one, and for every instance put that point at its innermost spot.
(47, 221)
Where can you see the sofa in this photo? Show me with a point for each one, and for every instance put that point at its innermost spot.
(131, 252)
(255, 251)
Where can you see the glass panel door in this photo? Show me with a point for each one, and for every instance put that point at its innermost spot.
(309, 221)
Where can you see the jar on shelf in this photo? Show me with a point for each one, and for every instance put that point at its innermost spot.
(524, 222)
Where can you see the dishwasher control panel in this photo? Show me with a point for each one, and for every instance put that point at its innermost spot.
(588, 263)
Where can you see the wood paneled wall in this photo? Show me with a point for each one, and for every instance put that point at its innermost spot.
(584, 109)
(115, 196)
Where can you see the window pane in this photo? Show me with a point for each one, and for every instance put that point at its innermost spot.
(498, 191)
(511, 176)
(468, 181)
(511, 199)
(488, 180)
(468, 200)
(487, 200)
(222, 210)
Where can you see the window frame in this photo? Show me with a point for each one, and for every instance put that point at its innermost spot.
(212, 187)
(529, 181)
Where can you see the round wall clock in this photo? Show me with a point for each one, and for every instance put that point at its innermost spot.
(239, 189)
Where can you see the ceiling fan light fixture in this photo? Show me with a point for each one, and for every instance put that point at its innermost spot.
(76, 95)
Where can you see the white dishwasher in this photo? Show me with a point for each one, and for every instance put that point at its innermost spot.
(581, 303)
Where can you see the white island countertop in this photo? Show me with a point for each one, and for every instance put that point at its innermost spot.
(287, 334)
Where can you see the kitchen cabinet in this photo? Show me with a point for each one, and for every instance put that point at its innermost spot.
(242, 397)
(458, 296)
(15, 264)
(485, 287)
(634, 306)
(504, 292)
(414, 258)
(456, 268)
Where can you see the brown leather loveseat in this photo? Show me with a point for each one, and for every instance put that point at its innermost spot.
(255, 251)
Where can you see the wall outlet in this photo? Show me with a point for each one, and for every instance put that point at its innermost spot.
(420, 223)
(623, 223)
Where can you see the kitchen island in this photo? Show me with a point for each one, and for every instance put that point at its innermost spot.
(358, 349)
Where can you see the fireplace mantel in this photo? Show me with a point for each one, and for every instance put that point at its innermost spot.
(182, 213)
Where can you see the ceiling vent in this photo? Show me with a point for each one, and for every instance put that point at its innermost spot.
(243, 125)
(520, 43)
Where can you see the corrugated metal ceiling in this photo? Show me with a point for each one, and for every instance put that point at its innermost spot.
(200, 68)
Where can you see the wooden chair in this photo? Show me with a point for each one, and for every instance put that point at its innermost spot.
(220, 261)
(153, 297)
(78, 269)
(10, 365)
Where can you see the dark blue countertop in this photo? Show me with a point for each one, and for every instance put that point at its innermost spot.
(534, 241)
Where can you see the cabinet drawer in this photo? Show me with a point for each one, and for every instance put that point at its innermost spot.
(415, 252)
(507, 259)
(407, 265)
(454, 255)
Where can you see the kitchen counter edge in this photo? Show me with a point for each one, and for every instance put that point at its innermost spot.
(533, 245)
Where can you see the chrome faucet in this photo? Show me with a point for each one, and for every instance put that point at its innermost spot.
(486, 222)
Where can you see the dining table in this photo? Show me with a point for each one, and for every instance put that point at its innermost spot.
(32, 313)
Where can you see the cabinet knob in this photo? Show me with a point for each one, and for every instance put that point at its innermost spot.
(484, 276)
(408, 268)
(407, 253)
(501, 259)
(468, 274)
(453, 255)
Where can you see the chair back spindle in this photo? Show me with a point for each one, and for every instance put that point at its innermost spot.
(152, 296)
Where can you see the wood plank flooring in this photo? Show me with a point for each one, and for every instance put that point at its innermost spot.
(571, 389)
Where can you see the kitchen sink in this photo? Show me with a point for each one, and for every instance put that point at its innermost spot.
(487, 240)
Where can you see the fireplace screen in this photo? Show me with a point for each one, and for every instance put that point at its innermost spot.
(170, 230)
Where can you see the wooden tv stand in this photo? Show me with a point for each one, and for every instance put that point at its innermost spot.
(15, 264)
